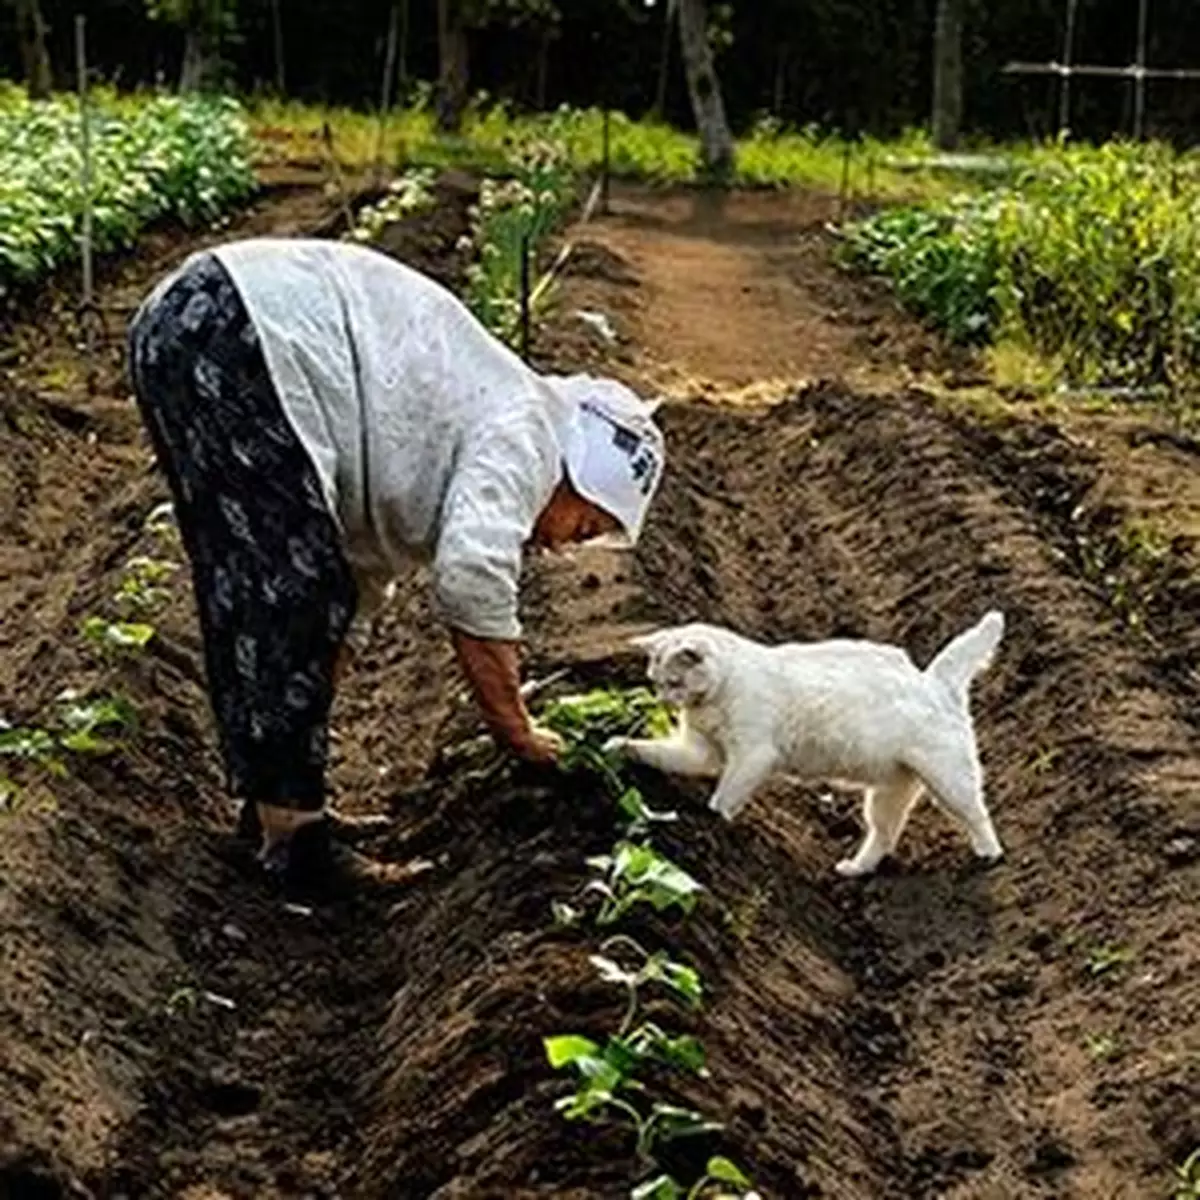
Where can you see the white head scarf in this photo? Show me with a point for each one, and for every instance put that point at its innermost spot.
(614, 452)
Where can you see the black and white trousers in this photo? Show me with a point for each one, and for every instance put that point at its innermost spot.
(274, 593)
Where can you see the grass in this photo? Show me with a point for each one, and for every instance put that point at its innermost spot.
(770, 155)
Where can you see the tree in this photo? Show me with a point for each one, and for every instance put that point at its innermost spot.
(35, 60)
(204, 24)
(453, 64)
(948, 74)
(716, 141)
(456, 20)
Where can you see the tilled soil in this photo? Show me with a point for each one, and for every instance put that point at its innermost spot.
(172, 1029)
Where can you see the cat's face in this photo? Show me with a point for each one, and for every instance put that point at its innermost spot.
(682, 667)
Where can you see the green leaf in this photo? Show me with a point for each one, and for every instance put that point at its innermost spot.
(9, 794)
(661, 1187)
(683, 980)
(568, 1049)
(725, 1171)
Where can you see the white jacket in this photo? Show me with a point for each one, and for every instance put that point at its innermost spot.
(431, 439)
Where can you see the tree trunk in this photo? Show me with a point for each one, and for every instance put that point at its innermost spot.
(277, 37)
(453, 75)
(402, 76)
(543, 69)
(35, 60)
(948, 74)
(664, 61)
(715, 139)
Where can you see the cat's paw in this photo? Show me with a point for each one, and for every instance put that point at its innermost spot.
(616, 746)
(852, 869)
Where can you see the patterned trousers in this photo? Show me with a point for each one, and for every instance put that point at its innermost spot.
(274, 593)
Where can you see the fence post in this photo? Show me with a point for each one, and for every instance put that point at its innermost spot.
(88, 305)
(605, 162)
(525, 299)
(385, 99)
(335, 172)
(844, 190)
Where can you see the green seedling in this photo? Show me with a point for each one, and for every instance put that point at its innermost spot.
(566, 916)
(142, 584)
(90, 724)
(31, 745)
(722, 1180)
(681, 981)
(607, 1083)
(1103, 1047)
(182, 1001)
(117, 638)
(594, 717)
(161, 520)
(10, 795)
(638, 816)
(1187, 1178)
(637, 874)
(1106, 960)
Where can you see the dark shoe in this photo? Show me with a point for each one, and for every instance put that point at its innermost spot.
(313, 864)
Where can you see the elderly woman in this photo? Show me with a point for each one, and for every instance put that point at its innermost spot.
(326, 418)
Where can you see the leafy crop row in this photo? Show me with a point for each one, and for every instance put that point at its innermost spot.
(615, 1079)
(1092, 259)
(189, 158)
(92, 722)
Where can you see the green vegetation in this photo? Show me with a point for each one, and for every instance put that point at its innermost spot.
(771, 155)
(515, 216)
(1187, 1178)
(406, 196)
(614, 1079)
(92, 722)
(1089, 259)
(153, 156)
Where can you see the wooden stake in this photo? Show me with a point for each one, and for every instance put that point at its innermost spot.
(525, 297)
(88, 309)
(385, 98)
(605, 160)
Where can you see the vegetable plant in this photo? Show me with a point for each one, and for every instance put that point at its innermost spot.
(152, 156)
(410, 194)
(638, 874)
(611, 1086)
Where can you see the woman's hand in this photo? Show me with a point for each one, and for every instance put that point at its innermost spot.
(493, 670)
(538, 746)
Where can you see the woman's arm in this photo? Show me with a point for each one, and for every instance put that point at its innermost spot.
(493, 670)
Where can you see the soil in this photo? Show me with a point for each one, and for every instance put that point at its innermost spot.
(172, 1029)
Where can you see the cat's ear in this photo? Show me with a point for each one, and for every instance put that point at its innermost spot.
(691, 652)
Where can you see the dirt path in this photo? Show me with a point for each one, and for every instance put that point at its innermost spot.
(935, 1032)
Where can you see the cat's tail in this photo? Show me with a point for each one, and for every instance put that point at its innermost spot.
(961, 659)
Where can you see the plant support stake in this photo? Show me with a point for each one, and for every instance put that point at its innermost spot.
(88, 305)
(525, 305)
(385, 99)
(604, 162)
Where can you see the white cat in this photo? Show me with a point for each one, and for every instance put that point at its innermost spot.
(851, 711)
